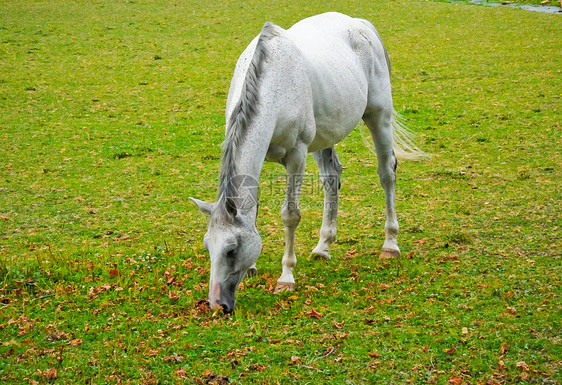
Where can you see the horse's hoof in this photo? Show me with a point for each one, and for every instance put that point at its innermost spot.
(321, 254)
(284, 286)
(389, 254)
(252, 272)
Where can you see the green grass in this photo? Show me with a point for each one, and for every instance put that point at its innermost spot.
(112, 115)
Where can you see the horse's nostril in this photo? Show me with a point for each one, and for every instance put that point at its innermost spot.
(226, 308)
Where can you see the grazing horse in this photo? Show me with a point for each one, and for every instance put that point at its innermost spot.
(297, 91)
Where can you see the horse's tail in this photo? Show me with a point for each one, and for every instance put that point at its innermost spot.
(404, 140)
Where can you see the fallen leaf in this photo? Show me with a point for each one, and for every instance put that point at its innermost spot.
(114, 273)
(152, 352)
(173, 295)
(501, 366)
(524, 367)
(295, 360)
(455, 380)
(49, 374)
(181, 373)
(257, 367)
(338, 325)
(215, 379)
(174, 358)
(76, 342)
(202, 307)
(374, 354)
(425, 348)
(451, 350)
(342, 336)
(503, 348)
(314, 314)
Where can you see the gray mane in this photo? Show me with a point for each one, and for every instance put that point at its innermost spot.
(242, 114)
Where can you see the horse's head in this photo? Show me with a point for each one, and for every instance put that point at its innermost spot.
(234, 245)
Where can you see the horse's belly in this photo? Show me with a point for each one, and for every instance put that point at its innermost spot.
(328, 134)
(338, 107)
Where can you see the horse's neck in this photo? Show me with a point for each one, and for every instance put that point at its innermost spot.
(253, 148)
(249, 158)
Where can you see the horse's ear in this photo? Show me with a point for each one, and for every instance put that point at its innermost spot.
(204, 207)
(230, 205)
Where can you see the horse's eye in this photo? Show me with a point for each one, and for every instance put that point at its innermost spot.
(231, 254)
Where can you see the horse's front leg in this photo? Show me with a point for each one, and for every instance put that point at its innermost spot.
(330, 175)
(290, 213)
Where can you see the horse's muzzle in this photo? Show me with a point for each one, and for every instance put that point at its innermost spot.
(223, 295)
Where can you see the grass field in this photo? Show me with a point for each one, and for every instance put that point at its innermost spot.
(112, 115)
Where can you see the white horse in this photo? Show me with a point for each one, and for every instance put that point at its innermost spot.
(293, 92)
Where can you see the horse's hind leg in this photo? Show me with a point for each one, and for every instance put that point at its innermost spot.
(379, 122)
(330, 176)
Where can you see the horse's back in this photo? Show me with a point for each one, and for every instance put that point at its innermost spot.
(345, 61)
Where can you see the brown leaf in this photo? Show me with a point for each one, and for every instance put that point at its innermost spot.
(114, 273)
(202, 307)
(455, 380)
(501, 366)
(173, 358)
(173, 295)
(503, 348)
(215, 379)
(295, 360)
(342, 336)
(49, 374)
(374, 354)
(257, 367)
(425, 348)
(314, 314)
(152, 352)
(524, 367)
(181, 373)
(76, 342)
(451, 351)
(338, 325)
